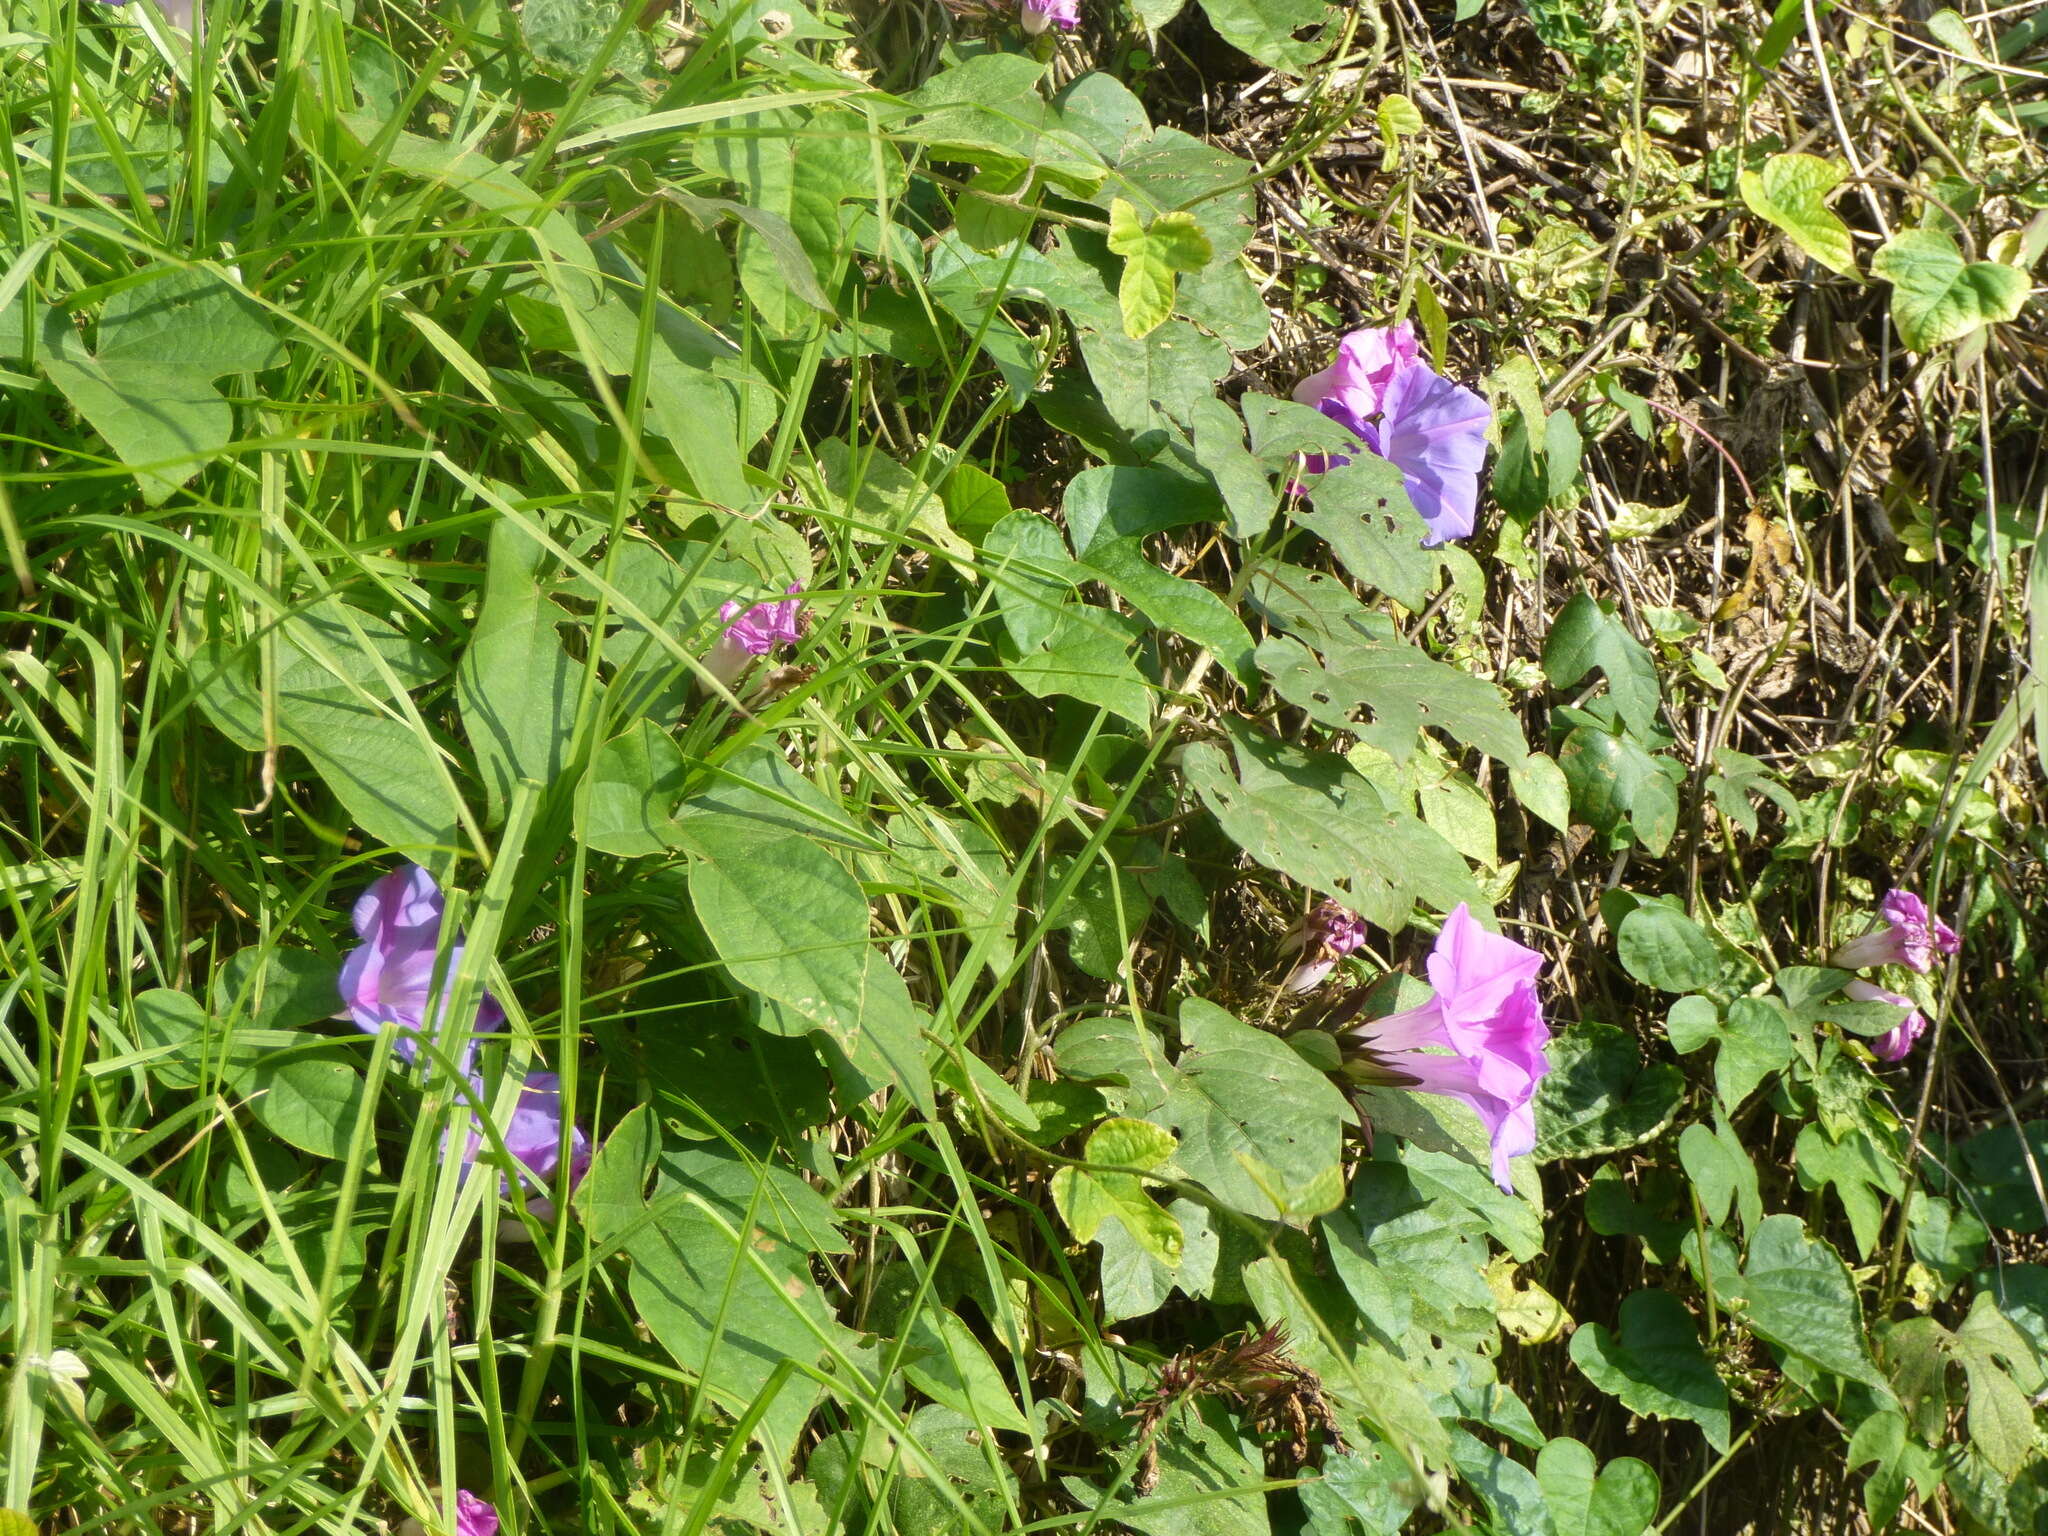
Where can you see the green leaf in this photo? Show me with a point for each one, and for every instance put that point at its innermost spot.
(567, 36)
(1755, 1041)
(1791, 192)
(1938, 297)
(1585, 635)
(1653, 1363)
(1397, 118)
(164, 421)
(1667, 950)
(1616, 783)
(1089, 657)
(1313, 818)
(1862, 1176)
(1620, 1501)
(1794, 1291)
(1362, 511)
(1722, 1174)
(1115, 501)
(308, 1098)
(1543, 789)
(1172, 243)
(189, 316)
(634, 781)
(1598, 1096)
(1031, 575)
(516, 685)
(790, 923)
(1184, 607)
(2000, 1416)
(705, 1300)
(1258, 1125)
(1265, 29)
(1400, 686)
(1086, 1198)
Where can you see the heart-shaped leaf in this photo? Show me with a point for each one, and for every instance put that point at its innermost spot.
(1791, 192)
(1939, 297)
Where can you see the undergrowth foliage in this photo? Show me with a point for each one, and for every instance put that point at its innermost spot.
(1220, 770)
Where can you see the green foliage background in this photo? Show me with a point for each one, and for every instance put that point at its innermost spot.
(395, 396)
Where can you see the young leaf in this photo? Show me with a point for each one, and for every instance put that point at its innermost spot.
(1152, 254)
(1791, 192)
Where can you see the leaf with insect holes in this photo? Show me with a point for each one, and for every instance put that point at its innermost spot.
(1939, 297)
(1152, 254)
(1791, 192)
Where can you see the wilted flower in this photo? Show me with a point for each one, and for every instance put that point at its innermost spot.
(534, 1138)
(1323, 938)
(1896, 1042)
(1480, 1040)
(1909, 937)
(1034, 16)
(756, 632)
(473, 1517)
(1397, 406)
(387, 982)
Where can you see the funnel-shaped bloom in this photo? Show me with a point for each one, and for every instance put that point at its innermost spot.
(1898, 1041)
(473, 1517)
(1035, 16)
(1397, 406)
(1910, 937)
(1323, 938)
(1480, 1040)
(388, 981)
(755, 632)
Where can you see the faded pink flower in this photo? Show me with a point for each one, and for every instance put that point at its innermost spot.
(755, 633)
(473, 1517)
(1035, 16)
(1480, 1040)
(387, 981)
(1910, 937)
(1895, 1043)
(1322, 938)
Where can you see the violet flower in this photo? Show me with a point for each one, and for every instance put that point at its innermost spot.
(1035, 16)
(388, 981)
(534, 1138)
(1909, 937)
(473, 1517)
(1895, 1043)
(1398, 407)
(754, 633)
(1323, 938)
(1480, 1040)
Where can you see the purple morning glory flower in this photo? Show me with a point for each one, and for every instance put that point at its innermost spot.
(1895, 1043)
(534, 1138)
(473, 1517)
(1035, 16)
(387, 981)
(1398, 407)
(754, 633)
(1480, 1040)
(1324, 937)
(1910, 937)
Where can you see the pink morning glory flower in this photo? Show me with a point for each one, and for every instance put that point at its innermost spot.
(1323, 938)
(387, 982)
(473, 1517)
(1910, 937)
(1896, 1042)
(1035, 16)
(1479, 1040)
(1398, 407)
(754, 633)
